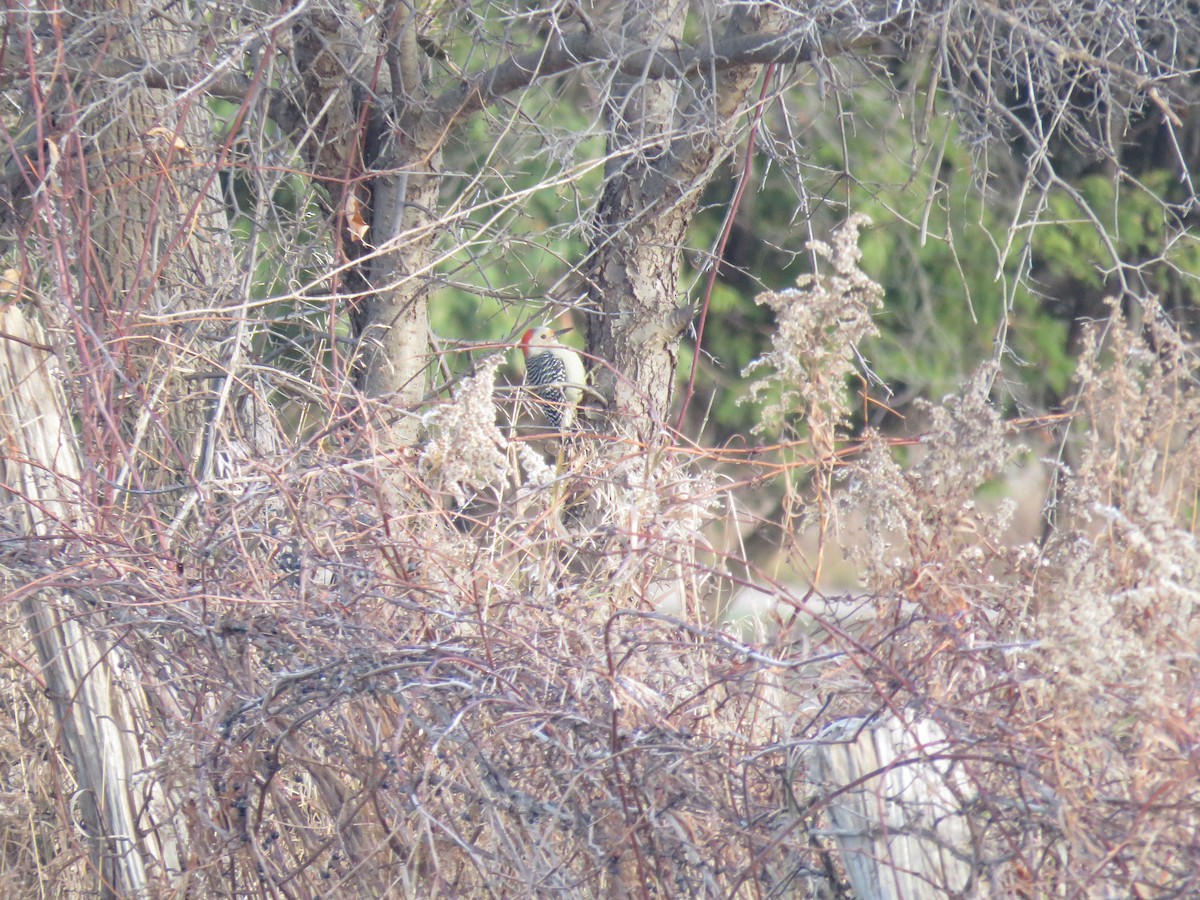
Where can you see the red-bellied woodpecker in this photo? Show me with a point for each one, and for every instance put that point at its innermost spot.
(555, 374)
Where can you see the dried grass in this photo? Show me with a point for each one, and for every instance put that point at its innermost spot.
(480, 693)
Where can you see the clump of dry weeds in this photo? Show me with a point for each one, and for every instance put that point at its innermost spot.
(1064, 669)
(508, 685)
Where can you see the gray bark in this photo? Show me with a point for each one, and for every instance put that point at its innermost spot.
(899, 810)
(399, 151)
(97, 713)
(667, 140)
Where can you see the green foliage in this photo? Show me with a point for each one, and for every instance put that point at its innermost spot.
(1083, 231)
(958, 290)
(522, 201)
(522, 195)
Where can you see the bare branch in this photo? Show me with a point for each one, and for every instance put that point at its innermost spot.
(586, 47)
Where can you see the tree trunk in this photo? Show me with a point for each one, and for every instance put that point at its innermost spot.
(898, 813)
(142, 301)
(98, 714)
(399, 157)
(158, 295)
(396, 322)
(666, 139)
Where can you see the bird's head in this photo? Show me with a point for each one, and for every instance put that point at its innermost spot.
(537, 339)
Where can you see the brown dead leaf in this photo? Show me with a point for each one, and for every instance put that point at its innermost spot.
(170, 137)
(354, 217)
(10, 281)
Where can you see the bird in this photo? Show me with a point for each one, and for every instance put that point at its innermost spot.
(555, 374)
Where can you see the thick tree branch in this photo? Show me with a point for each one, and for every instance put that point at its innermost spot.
(584, 48)
(473, 94)
(182, 76)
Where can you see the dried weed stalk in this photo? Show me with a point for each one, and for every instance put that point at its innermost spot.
(1065, 671)
(818, 325)
(511, 685)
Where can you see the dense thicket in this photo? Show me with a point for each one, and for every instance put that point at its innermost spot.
(889, 313)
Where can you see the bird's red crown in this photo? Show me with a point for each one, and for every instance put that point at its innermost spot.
(538, 336)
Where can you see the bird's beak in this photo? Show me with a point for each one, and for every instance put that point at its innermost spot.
(560, 332)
